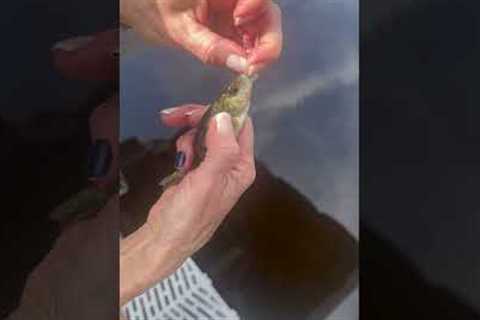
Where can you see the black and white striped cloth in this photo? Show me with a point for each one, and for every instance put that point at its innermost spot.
(186, 294)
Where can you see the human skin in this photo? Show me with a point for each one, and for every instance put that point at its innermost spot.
(186, 215)
(243, 35)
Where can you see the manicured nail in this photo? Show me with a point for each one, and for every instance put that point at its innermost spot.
(191, 113)
(180, 159)
(237, 63)
(169, 110)
(223, 122)
(238, 21)
(73, 44)
(99, 158)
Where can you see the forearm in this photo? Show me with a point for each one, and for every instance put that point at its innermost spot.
(143, 262)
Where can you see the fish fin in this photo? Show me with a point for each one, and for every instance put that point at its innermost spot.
(171, 179)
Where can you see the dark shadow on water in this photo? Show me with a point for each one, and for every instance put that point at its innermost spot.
(394, 288)
(419, 162)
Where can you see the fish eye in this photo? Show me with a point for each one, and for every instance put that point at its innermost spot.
(233, 90)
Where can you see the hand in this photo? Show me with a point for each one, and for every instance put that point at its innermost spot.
(244, 35)
(94, 58)
(226, 172)
(187, 214)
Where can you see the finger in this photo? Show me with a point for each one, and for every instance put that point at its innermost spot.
(182, 116)
(247, 10)
(256, 68)
(246, 140)
(88, 57)
(185, 145)
(269, 42)
(221, 143)
(210, 47)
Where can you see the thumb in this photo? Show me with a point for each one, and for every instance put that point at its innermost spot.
(212, 48)
(221, 143)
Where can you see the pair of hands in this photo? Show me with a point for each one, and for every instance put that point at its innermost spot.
(243, 35)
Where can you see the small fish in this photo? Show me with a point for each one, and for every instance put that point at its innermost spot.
(234, 99)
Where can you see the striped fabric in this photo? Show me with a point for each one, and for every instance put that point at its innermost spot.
(187, 294)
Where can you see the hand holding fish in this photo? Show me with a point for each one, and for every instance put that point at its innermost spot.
(188, 213)
(243, 35)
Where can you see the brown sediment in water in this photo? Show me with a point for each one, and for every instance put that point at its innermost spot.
(274, 257)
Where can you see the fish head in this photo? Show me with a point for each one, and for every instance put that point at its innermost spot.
(235, 98)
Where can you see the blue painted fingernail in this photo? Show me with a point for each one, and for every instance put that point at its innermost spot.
(99, 158)
(179, 159)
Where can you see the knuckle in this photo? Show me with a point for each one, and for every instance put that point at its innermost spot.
(251, 174)
(205, 55)
(248, 174)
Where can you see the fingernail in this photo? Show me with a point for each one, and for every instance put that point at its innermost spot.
(223, 122)
(191, 112)
(169, 110)
(237, 63)
(179, 159)
(99, 158)
(72, 44)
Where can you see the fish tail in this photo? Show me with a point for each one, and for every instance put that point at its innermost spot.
(171, 179)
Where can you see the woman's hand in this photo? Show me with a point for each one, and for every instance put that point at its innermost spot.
(244, 35)
(197, 205)
(187, 214)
